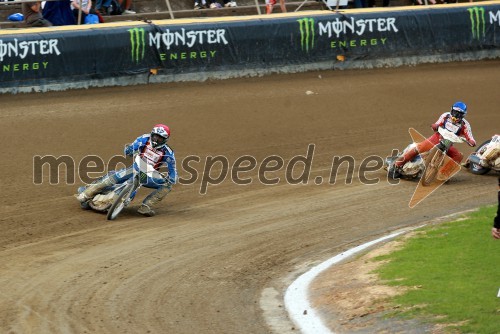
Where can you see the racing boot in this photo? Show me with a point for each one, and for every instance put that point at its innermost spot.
(93, 188)
(153, 199)
(407, 156)
(394, 172)
(395, 169)
(146, 210)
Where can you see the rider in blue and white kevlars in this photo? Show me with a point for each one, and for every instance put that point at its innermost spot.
(153, 149)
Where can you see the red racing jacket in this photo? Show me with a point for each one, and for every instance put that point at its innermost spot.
(462, 129)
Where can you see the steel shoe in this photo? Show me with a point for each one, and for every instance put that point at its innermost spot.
(146, 210)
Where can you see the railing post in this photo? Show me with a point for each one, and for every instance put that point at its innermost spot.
(170, 9)
(258, 7)
(79, 12)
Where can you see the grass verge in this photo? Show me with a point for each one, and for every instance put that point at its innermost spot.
(452, 272)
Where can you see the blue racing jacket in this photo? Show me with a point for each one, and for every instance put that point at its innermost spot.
(155, 157)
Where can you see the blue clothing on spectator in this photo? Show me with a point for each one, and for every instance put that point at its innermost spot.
(59, 13)
(102, 3)
(360, 4)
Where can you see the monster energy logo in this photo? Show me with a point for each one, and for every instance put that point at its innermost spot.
(137, 44)
(142, 176)
(477, 21)
(306, 26)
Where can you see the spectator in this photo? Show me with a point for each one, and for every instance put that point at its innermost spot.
(102, 7)
(227, 3)
(270, 4)
(59, 13)
(32, 12)
(126, 8)
(428, 2)
(495, 231)
(360, 3)
(340, 4)
(86, 9)
(215, 5)
(385, 3)
(200, 5)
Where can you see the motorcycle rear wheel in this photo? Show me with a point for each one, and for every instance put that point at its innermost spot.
(119, 204)
(433, 163)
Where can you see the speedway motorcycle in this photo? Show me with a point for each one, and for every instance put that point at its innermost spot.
(413, 169)
(103, 200)
(485, 158)
(427, 166)
(113, 199)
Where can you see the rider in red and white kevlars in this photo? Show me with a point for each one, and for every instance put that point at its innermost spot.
(153, 149)
(454, 121)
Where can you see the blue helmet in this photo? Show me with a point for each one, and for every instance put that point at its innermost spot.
(458, 110)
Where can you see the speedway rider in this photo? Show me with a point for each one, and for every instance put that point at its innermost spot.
(453, 121)
(153, 149)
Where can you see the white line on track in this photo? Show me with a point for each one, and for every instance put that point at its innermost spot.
(296, 296)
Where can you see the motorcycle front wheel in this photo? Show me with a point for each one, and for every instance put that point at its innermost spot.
(119, 204)
(433, 163)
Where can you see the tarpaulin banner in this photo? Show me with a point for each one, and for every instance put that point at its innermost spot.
(253, 43)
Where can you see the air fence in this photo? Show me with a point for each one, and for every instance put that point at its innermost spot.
(126, 53)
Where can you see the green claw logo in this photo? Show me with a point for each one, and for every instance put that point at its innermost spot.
(137, 44)
(478, 24)
(306, 26)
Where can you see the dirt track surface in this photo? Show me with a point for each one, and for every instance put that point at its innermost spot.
(201, 265)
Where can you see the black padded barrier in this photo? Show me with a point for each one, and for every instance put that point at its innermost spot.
(42, 56)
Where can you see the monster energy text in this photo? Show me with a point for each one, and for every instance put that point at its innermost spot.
(306, 26)
(188, 55)
(22, 49)
(137, 44)
(477, 21)
(356, 26)
(24, 67)
(188, 38)
(353, 43)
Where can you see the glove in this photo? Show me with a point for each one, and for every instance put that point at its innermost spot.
(129, 150)
(434, 127)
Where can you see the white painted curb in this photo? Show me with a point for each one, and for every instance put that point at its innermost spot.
(296, 296)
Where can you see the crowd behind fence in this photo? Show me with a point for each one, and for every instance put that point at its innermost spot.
(208, 9)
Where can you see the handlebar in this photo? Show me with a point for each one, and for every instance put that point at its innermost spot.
(146, 168)
(447, 134)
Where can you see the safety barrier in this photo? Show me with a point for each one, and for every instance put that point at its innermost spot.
(174, 50)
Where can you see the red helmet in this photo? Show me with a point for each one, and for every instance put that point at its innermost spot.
(159, 135)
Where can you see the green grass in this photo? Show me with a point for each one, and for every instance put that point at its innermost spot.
(453, 271)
